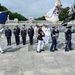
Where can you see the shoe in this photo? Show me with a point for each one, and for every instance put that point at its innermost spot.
(56, 49)
(66, 50)
(2, 52)
(7, 44)
(71, 49)
(42, 50)
(38, 51)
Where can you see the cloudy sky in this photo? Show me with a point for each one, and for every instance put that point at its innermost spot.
(32, 8)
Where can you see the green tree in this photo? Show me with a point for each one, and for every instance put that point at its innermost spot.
(12, 15)
(64, 14)
(16, 15)
(40, 18)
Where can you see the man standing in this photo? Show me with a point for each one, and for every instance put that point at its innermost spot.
(17, 33)
(23, 35)
(8, 34)
(54, 41)
(1, 49)
(40, 46)
(47, 34)
(31, 34)
(68, 39)
(36, 32)
(57, 32)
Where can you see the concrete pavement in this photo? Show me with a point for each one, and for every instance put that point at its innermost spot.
(24, 60)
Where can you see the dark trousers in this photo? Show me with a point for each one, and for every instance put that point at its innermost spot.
(54, 44)
(31, 40)
(68, 45)
(24, 40)
(17, 40)
(8, 40)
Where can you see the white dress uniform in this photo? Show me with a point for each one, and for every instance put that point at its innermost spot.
(40, 41)
(43, 29)
(1, 30)
(47, 35)
(1, 49)
(36, 32)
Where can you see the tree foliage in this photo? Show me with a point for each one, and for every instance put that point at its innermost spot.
(64, 14)
(12, 15)
(16, 15)
(40, 18)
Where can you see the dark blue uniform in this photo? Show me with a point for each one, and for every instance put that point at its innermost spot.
(40, 36)
(17, 33)
(54, 41)
(31, 34)
(8, 34)
(68, 35)
(23, 35)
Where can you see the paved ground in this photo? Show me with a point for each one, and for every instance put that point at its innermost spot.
(23, 60)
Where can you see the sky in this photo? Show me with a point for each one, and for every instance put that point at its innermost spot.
(32, 8)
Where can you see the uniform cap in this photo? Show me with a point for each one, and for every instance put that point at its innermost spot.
(53, 27)
(69, 27)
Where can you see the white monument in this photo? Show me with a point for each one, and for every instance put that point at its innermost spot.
(16, 20)
(30, 19)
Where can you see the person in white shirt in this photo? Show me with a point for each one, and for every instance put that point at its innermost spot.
(36, 32)
(1, 50)
(47, 34)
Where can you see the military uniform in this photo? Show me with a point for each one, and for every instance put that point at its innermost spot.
(31, 34)
(36, 32)
(23, 35)
(1, 50)
(68, 35)
(8, 34)
(47, 35)
(40, 40)
(17, 33)
(54, 40)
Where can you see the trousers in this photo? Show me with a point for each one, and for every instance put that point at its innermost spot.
(40, 45)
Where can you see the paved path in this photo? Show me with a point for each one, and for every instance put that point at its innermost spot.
(24, 60)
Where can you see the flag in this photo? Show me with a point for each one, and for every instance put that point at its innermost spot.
(71, 15)
(53, 14)
(3, 17)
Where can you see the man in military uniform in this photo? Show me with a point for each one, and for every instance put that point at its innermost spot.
(8, 34)
(31, 34)
(54, 40)
(68, 35)
(36, 31)
(41, 34)
(17, 33)
(23, 35)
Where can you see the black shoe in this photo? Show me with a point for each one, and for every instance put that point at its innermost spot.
(56, 49)
(66, 50)
(38, 51)
(42, 50)
(71, 49)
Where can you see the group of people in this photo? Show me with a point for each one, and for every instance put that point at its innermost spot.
(42, 34)
(17, 32)
(54, 38)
